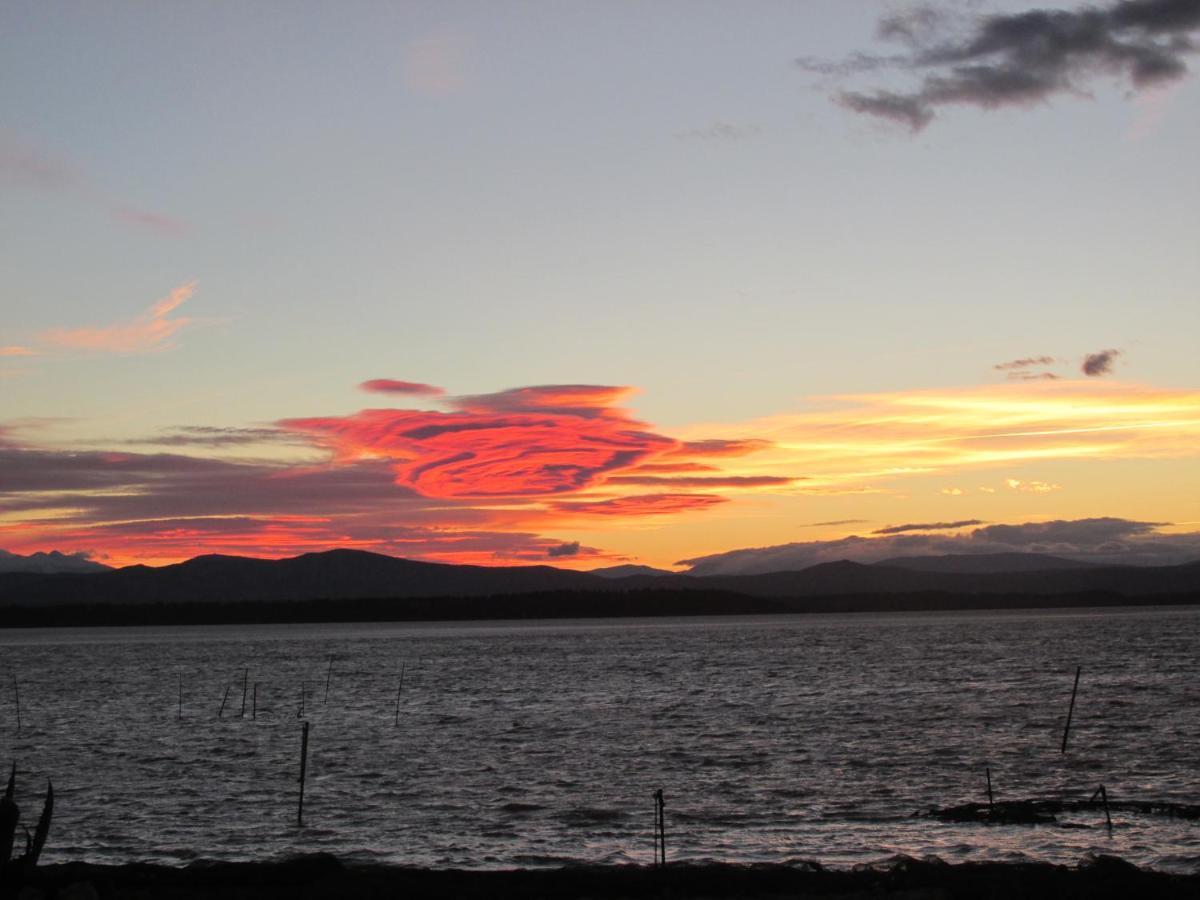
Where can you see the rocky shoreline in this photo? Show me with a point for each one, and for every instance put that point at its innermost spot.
(323, 876)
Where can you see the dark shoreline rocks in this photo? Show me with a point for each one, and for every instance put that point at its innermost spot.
(321, 876)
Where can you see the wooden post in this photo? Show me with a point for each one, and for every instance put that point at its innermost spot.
(254, 708)
(1071, 709)
(245, 678)
(303, 772)
(1107, 817)
(989, 788)
(328, 678)
(660, 830)
(17, 700)
(399, 688)
(221, 712)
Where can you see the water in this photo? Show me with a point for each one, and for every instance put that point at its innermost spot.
(540, 743)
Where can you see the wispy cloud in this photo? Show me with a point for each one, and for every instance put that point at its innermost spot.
(152, 331)
(1019, 59)
(926, 526)
(392, 386)
(23, 165)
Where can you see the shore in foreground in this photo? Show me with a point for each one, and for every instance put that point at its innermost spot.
(323, 876)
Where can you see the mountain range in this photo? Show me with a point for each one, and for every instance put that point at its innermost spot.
(357, 575)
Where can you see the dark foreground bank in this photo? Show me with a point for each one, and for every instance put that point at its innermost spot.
(326, 877)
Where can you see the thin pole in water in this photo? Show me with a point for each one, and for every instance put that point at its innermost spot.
(660, 830)
(328, 678)
(303, 772)
(221, 712)
(17, 701)
(245, 678)
(1071, 709)
(1103, 795)
(254, 708)
(399, 688)
(989, 784)
(180, 695)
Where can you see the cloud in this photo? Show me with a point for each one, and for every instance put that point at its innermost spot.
(1025, 363)
(1022, 58)
(855, 442)
(716, 481)
(569, 549)
(1104, 540)
(473, 484)
(1100, 363)
(391, 386)
(436, 64)
(640, 505)
(522, 442)
(29, 167)
(1031, 487)
(17, 350)
(149, 332)
(926, 526)
(834, 522)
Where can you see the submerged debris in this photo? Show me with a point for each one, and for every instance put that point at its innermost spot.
(1046, 812)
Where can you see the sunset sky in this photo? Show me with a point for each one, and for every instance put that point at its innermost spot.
(592, 283)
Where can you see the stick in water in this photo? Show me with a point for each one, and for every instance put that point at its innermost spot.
(181, 695)
(660, 830)
(221, 712)
(1071, 709)
(254, 708)
(303, 772)
(328, 678)
(245, 678)
(17, 700)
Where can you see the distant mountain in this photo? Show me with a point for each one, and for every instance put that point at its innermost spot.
(986, 562)
(51, 563)
(352, 575)
(627, 571)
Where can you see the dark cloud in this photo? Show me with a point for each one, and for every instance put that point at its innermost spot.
(213, 436)
(392, 386)
(926, 526)
(1104, 540)
(1025, 363)
(1019, 59)
(568, 549)
(1101, 363)
(835, 522)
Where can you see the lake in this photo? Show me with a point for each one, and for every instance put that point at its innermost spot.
(541, 743)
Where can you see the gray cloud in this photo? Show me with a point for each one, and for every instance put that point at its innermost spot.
(1103, 540)
(1100, 363)
(1019, 59)
(568, 549)
(1025, 363)
(926, 526)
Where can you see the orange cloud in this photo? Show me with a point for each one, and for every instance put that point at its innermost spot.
(149, 332)
(16, 350)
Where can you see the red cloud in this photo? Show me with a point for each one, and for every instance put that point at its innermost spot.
(519, 443)
(391, 386)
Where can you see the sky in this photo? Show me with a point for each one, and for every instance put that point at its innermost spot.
(593, 283)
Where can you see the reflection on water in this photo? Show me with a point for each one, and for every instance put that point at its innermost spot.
(540, 743)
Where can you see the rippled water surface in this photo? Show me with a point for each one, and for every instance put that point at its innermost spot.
(540, 743)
